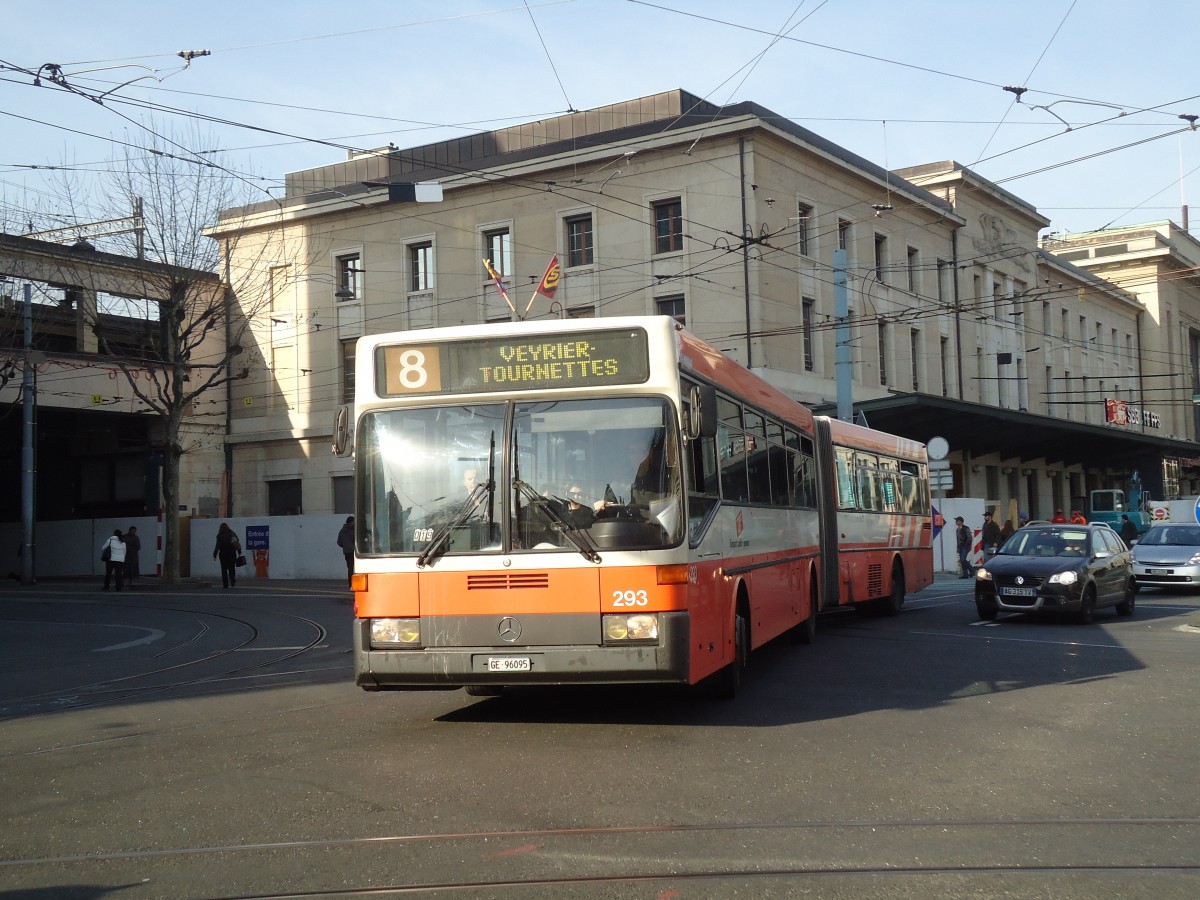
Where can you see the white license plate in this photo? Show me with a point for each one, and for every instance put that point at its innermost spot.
(1158, 571)
(1018, 592)
(508, 664)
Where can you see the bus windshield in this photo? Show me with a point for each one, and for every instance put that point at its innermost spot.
(510, 477)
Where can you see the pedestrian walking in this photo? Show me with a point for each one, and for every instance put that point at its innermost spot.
(1129, 532)
(1059, 518)
(962, 540)
(345, 540)
(228, 548)
(133, 545)
(991, 533)
(112, 552)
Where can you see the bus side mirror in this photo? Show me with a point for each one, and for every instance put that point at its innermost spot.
(701, 411)
(343, 432)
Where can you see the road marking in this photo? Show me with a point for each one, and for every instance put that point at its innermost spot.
(1023, 640)
(152, 635)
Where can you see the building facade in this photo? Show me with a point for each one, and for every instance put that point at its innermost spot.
(726, 218)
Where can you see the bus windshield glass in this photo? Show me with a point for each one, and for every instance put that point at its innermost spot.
(511, 477)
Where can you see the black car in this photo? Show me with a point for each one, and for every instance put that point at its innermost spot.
(1057, 568)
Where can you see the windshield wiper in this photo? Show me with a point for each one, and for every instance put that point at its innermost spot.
(569, 528)
(440, 537)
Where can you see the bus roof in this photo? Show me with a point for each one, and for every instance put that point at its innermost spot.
(848, 434)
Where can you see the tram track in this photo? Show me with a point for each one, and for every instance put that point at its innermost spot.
(126, 687)
(575, 858)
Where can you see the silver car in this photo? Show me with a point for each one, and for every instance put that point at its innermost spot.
(1168, 555)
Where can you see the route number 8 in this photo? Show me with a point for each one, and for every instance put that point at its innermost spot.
(412, 372)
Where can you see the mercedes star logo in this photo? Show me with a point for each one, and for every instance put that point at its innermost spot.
(509, 629)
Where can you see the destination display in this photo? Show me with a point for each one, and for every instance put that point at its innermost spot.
(523, 363)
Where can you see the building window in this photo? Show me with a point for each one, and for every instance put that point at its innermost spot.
(283, 498)
(943, 271)
(808, 312)
(944, 362)
(673, 307)
(668, 225)
(803, 221)
(348, 271)
(343, 494)
(579, 241)
(348, 371)
(1194, 364)
(880, 256)
(883, 370)
(914, 349)
(497, 246)
(844, 235)
(420, 266)
(913, 263)
(581, 312)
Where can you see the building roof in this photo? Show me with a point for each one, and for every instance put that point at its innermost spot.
(642, 117)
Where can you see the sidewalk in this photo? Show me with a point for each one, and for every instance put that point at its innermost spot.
(150, 585)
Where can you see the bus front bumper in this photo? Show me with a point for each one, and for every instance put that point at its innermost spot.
(447, 668)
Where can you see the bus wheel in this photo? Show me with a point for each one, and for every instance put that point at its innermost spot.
(485, 690)
(806, 631)
(891, 604)
(727, 682)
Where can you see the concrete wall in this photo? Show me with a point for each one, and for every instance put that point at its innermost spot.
(945, 549)
(71, 548)
(300, 547)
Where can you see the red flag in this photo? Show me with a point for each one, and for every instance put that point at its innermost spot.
(548, 286)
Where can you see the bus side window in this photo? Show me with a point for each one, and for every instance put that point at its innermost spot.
(777, 462)
(731, 446)
(845, 479)
(702, 473)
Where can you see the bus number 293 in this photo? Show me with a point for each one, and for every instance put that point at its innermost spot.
(630, 598)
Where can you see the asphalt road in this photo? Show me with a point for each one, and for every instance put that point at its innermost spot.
(201, 743)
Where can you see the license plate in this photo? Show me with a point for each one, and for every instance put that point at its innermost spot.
(508, 664)
(1158, 571)
(1018, 592)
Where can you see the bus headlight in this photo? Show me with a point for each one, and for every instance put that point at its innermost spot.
(626, 628)
(395, 633)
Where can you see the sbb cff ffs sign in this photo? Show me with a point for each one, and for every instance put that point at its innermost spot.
(506, 364)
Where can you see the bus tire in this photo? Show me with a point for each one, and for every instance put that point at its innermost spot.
(485, 690)
(806, 631)
(728, 681)
(893, 602)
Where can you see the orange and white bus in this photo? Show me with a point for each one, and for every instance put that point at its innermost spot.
(605, 500)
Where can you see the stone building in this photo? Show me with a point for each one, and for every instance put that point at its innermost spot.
(727, 219)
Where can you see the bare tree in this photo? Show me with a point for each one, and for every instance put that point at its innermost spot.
(192, 329)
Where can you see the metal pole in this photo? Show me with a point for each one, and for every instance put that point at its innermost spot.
(27, 456)
(841, 318)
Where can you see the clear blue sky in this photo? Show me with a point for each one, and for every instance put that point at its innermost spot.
(898, 83)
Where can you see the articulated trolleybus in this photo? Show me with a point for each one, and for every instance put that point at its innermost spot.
(606, 500)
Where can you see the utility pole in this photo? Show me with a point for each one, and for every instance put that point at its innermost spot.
(27, 458)
(841, 336)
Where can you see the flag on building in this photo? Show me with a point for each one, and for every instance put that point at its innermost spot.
(548, 286)
(499, 283)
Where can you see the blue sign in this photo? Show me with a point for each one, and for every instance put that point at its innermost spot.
(258, 537)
